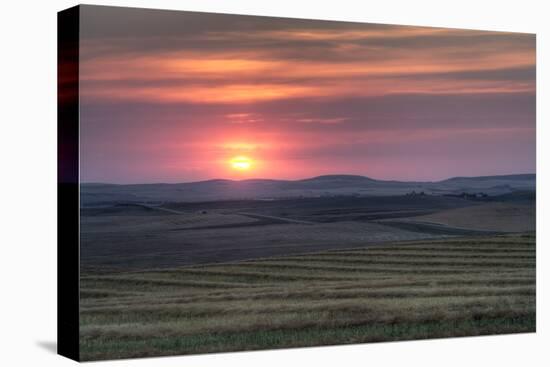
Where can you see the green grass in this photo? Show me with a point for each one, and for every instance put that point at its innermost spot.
(403, 291)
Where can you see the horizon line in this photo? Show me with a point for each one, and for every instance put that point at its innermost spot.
(300, 179)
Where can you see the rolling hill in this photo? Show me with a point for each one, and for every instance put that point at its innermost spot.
(328, 185)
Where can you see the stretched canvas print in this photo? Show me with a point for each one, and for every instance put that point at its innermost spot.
(231, 182)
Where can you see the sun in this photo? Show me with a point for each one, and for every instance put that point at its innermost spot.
(241, 163)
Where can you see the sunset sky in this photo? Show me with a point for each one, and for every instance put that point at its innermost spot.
(181, 96)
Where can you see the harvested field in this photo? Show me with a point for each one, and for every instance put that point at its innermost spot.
(403, 290)
(146, 242)
(501, 217)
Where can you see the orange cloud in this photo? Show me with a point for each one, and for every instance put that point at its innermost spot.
(255, 74)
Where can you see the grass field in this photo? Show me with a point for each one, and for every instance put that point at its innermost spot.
(399, 291)
(502, 217)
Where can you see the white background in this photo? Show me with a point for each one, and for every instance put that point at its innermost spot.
(28, 183)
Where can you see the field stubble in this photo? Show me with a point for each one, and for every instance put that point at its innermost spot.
(424, 289)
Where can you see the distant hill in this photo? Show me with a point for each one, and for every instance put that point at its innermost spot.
(328, 185)
(520, 177)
